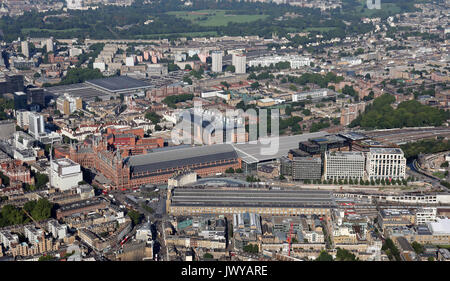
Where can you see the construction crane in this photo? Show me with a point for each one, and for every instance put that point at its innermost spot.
(34, 221)
(290, 238)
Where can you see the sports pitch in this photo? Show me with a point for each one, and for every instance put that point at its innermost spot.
(215, 17)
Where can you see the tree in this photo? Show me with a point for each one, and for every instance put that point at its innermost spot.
(41, 180)
(418, 248)
(255, 85)
(229, 171)
(324, 256)
(230, 68)
(251, 248)
(47, 258)
(42, 210)
(344, 255)
(207, 256)
(135, 216)
(225, 84)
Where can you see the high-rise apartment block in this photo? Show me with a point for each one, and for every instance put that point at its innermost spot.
(239, 62)
(68, 104)
(25, 50)
(216, 61)
(49, 45)
(37, 127)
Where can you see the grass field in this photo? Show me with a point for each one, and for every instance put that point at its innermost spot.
(364, 11)
(439, 175)
(320, 29)
(215, 17)
(28, 30)
(185, 34)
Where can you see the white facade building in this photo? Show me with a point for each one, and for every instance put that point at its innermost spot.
(129, 61)
(49, 45)
(385, 163)
(65, 174)
(25, 50)
(23, 118)
(295, 61)
(99, 65)
(58, 231)
(426, 215)
(7, 238)
(216, 61)
(36, 123)
(344, 165)
(33, 234)
(74, 4)
(313, 95)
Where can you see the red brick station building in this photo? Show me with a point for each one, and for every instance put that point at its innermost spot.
(120, 169)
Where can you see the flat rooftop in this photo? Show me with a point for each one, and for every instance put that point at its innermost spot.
(353, 136)
(255, 152)
(80, 90)
(386, 150)
(178, 158)
(119, 84)
(192, 197)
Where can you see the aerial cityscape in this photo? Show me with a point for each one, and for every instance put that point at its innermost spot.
(225, 131)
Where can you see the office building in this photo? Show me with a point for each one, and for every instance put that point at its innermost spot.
(20, 100)
(306, 168)
(12, 83)
(344, 165)
(36, 96)
(386, 163)
(216, 61)
(65, 174)
(239, 62)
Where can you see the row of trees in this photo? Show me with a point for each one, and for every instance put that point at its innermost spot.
(360, 182)
(413, 149)
(381, 115)
(39, 210)
(341, 255)
(172, 100)
(78, 75)
(232, 171)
